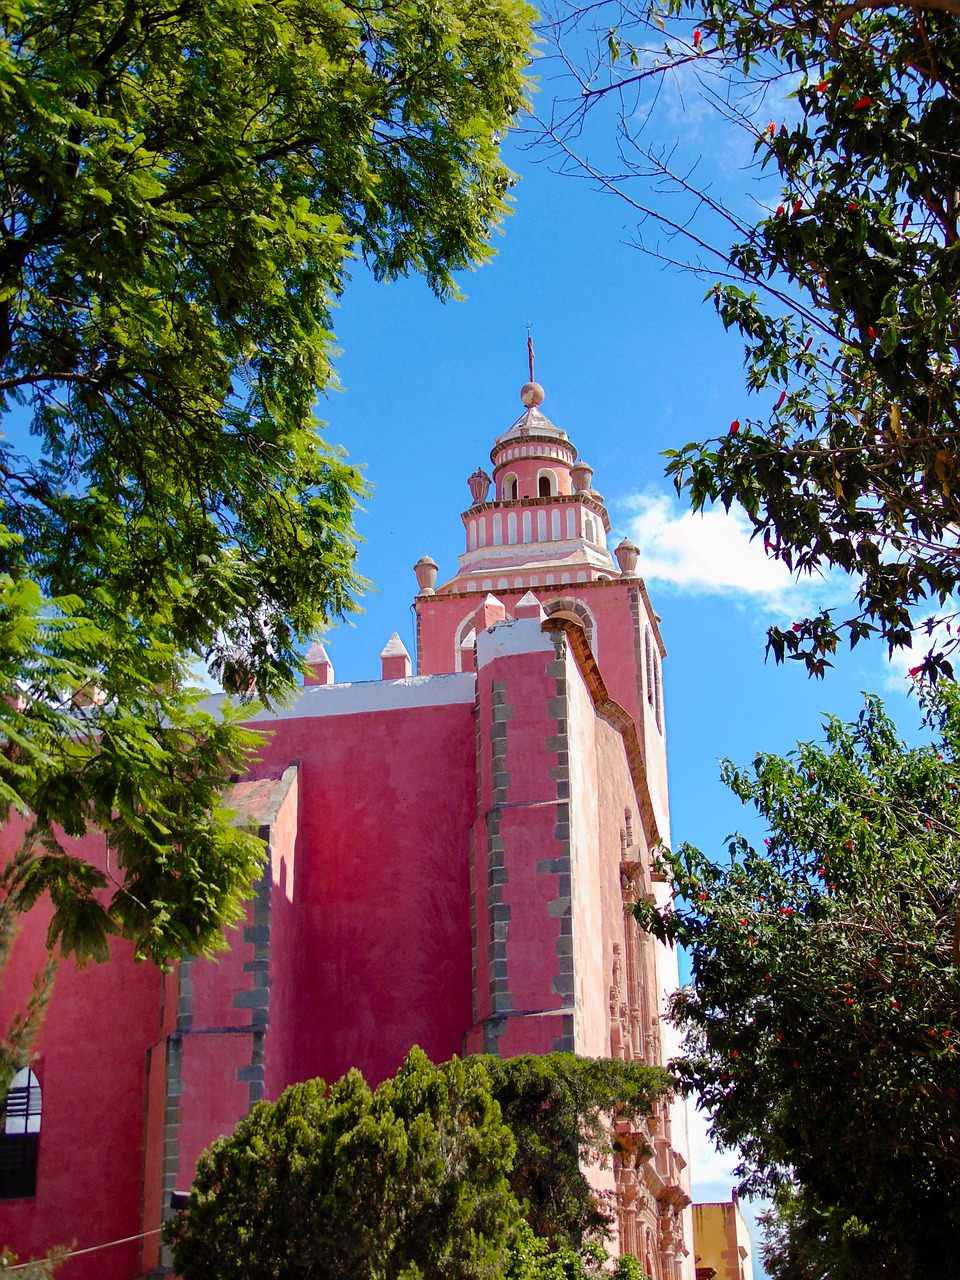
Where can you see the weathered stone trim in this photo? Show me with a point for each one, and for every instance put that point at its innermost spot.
(614, 715)
(498, 911)
(257, 997)
(560, 865)
(172, 1119)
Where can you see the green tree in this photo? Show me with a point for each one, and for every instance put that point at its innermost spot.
(533, 1258)
(823, 1022)
(845, 289)
(185, 190)
(407, 1181)
(561, 1110)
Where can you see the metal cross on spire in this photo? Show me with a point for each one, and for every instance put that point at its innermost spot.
(530, 352)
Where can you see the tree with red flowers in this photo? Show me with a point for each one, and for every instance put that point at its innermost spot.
(823, 1024)
(847, 293)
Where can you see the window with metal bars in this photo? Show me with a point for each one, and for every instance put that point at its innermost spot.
(20, 1137)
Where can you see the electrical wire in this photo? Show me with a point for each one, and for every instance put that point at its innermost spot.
(75, 1253)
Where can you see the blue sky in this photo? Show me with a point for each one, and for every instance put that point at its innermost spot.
(633, 362)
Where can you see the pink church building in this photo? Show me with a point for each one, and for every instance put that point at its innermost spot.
(452, 855)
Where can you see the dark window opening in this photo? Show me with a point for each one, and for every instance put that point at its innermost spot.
(543, 487)
(20, 1137)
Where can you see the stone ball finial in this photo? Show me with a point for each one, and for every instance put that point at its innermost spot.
(627, 554)
(479, 484)
(426, 571)
(532, 394)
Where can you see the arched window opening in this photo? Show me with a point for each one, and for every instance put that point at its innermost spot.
(509, 488)
(20, 1138)
(547, 484)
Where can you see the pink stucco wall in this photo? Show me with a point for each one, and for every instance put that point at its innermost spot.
(92, 1053)
(378, 951)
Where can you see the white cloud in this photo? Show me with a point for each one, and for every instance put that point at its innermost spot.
(712, 553)
(711, 1171)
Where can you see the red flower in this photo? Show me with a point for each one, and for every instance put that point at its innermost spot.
(703, 897)
(795, 1063)
(822, 86)
(895, 1004)
(915, 671)
(771, 128)
(797, 206)
(697, 37)
(871, 332)
(906, 222)
(863, 102)
(853, 206)
(769, 546)
(734, 426)
(769, 979)
(783, 396)
(779, 210)
(797, 627)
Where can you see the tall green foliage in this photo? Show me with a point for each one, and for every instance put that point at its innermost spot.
(466, 1170)
(561, 1110)
(824, 1020)
(409, 1181)
(185, 191)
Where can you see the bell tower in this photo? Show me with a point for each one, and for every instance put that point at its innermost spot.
(538, 525)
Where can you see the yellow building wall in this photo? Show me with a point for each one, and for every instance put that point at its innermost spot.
(721, 1242)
